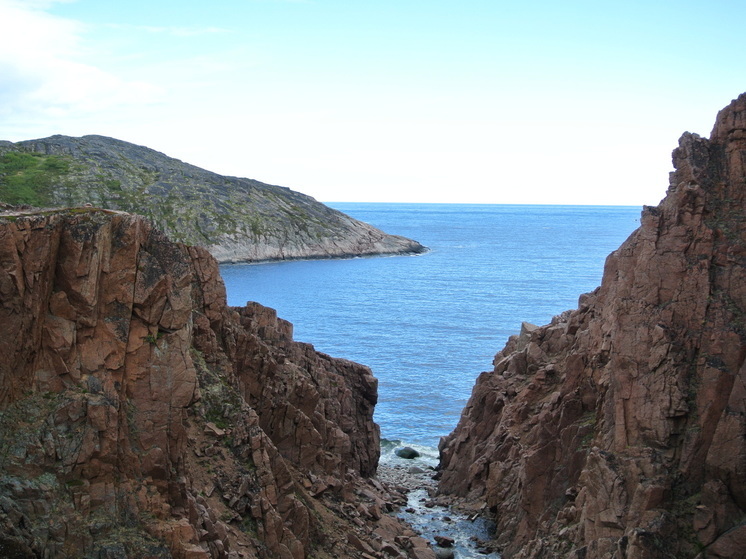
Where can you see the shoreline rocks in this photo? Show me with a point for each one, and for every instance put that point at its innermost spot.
(407, 452)
(450, 526)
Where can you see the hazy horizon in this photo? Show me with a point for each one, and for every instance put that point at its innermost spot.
(332, 202)
(572, 103)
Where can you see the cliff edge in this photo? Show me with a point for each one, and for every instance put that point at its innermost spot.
(141, 417)
(619, 430)
(236, 219)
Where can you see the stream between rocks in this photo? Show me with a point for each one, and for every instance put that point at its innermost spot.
(465, 534)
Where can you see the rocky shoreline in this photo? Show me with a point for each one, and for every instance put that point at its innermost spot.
(452, 528)
(141, 416)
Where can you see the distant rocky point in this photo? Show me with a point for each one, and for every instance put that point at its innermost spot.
(236, 219)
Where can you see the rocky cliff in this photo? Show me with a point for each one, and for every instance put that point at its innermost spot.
(619, 430)
(142, 417)
(237, 219)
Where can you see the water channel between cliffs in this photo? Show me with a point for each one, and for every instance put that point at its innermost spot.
(427, 325)
(432, 517)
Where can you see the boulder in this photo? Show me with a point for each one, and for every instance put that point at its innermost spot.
(407, 452)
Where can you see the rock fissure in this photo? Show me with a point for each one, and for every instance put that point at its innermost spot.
(143, 417)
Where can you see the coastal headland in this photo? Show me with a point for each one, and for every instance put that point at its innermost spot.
(143, 417)
(236, 219)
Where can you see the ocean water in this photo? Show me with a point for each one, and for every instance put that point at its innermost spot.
(427, 325)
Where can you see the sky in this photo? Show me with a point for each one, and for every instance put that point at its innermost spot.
(468, 101)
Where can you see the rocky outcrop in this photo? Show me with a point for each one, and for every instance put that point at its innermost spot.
(237, 219)
(142, 417)
(619, 430)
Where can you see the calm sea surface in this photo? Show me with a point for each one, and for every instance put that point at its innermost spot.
(428, 325)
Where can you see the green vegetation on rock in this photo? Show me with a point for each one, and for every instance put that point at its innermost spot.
(28, 178)
(237, 219)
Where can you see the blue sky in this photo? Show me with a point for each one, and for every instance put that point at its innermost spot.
(575, 102)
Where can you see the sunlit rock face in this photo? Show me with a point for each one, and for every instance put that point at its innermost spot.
(619, 430)
(142, 417)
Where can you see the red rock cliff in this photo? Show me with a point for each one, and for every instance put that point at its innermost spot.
(619, 430)
(142, 417)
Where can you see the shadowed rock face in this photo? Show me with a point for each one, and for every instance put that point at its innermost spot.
(619, 430)
(237, 219)
(142, 417)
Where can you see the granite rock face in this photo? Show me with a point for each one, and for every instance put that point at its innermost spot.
(237, 219)
(619, 430)
(142, 417)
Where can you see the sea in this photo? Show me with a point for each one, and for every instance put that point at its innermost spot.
(429, 324)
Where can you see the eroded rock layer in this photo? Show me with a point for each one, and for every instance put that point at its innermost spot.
(619, 430)
(142, 417)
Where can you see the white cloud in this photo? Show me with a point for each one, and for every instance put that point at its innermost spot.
(70, 88)
(285, 1)
(43, 74)
(172, 30)
(29, 32)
